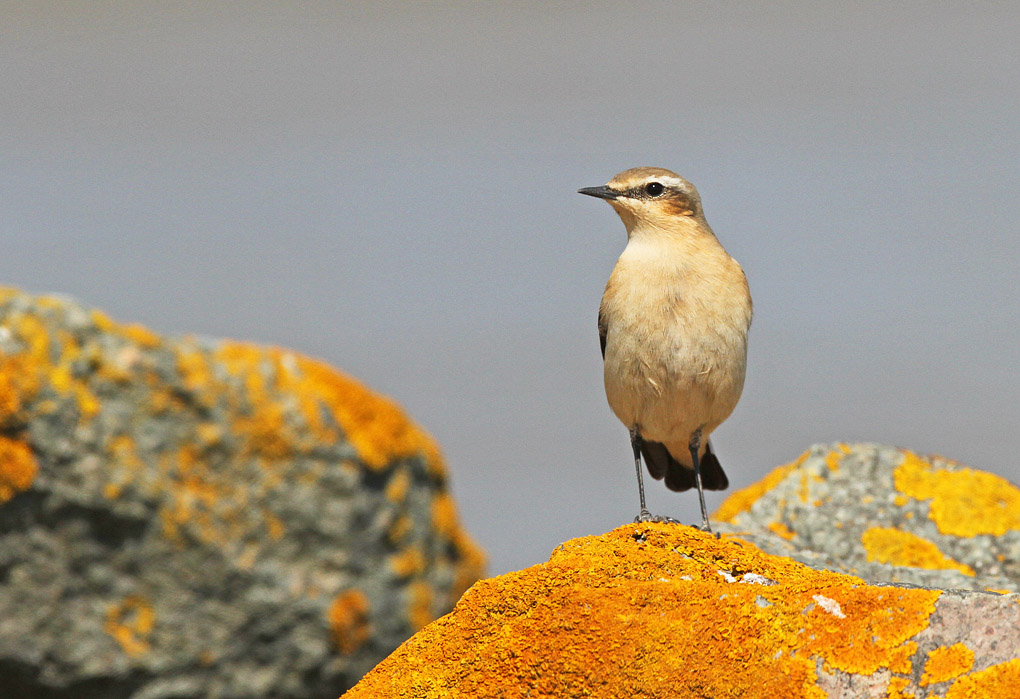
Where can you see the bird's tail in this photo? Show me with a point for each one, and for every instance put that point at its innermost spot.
(680, 477)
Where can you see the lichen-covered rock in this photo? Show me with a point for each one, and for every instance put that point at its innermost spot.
(771, 611)
(662, 610)
(886, 515)
(185, 518)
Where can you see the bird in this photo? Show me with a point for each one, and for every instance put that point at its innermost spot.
(673, 325)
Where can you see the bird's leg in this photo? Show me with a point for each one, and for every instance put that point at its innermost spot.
(635, 444)
(695, 447)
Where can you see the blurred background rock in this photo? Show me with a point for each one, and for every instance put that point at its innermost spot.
(196, 518)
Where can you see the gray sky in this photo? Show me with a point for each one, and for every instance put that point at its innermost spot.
(391, 187)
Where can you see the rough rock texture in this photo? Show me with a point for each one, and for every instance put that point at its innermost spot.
(659, 610)
(184, 518)
(886, 515)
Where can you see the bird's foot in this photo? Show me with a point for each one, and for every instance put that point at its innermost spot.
(646, 516)
(707, 528)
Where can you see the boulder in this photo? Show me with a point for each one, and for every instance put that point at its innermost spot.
(665, 610)
(182, 517)
(887, 515)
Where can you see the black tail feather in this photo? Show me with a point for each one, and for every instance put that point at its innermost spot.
(712, 476)
(657, 458)
(660, 463)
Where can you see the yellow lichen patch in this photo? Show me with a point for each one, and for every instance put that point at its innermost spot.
(201, 500)
(265, 431)
(896, 688)
(782, 530)
(900, 500)
(806, 479)
(22, 374)
(193, 365)
(946, 662)
(396, 488)
(444, 515)
(348, 621)
(130, 623)
(901, 548)
(419, 605)
(964, 502)
(274, 525)
(408, 562)
(833, 458)
(400, 528)
(139, 334)
(656, 610)
(102, 321)
(996, 682)
(88, 405)
(741, 500)
(377, 428)
(125, 466)
(17, 468)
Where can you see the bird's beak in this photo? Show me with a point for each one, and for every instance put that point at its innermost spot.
(602, 192)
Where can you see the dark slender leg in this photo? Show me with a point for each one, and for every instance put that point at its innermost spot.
(635, 444)
(695, 447)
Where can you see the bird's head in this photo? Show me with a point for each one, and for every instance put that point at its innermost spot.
(650, 197)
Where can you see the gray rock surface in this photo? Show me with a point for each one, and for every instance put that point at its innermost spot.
(188, 518)
(860, 509)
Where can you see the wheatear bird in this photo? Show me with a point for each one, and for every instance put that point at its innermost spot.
(673, 325)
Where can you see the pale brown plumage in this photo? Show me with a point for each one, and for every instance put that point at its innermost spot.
(673, 324)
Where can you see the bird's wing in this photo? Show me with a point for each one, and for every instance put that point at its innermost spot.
(603, 329)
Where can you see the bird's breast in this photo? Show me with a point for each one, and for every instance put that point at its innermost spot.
(676, 341)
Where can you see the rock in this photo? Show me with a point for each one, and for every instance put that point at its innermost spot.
(661, 610)
(193, 518)
(886, 515)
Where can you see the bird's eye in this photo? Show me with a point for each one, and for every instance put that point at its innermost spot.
(654, 189)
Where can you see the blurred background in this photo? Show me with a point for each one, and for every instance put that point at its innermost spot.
(390, 186)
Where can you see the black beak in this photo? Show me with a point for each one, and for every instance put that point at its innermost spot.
(600, 192)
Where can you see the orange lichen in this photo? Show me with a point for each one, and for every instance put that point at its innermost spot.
(408, 562)
(901, 548)
(348, 621)
(444, 515)
(17, 468)
(996, 682)
(637, 611)
(947, 662)
(833, 458)
(377, 427)
(419, 605)
(806, 479)
(274, 525)
(130, 622)
(896, 688)
(400, 528)
(781, 530)
(139, 334)
(741, 500)
(101, 320)
(964, 502)
(193, 365)
(398, 485)
(202, 501)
